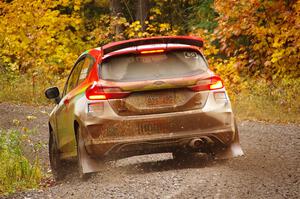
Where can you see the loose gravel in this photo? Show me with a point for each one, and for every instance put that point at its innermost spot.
(269, 169)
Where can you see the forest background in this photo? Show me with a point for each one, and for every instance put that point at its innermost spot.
(253, 44)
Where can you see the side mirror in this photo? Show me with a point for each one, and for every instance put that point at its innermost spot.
(53, 93)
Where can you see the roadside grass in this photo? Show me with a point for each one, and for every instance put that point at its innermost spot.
(264, 108)
(27, 88)
(17, 172)
(279, 103)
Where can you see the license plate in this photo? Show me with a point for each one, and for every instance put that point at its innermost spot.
(160, 99)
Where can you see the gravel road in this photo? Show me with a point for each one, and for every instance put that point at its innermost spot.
(269, 169)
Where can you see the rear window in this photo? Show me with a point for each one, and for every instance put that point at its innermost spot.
(171, 64)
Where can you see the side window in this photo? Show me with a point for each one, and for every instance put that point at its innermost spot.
(87, 65)
(73, 79)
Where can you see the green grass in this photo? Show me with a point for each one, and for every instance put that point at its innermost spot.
(17, 173)
(278, 103)
(263, 108)
(25, 88)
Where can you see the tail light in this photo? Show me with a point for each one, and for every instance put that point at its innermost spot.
(152, 51)
(98, 92)
(211, 83)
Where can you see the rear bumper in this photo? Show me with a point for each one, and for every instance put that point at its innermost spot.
(122, 136)
(158, 143)
(108, 134)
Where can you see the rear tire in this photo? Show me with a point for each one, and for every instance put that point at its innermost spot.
(80, 145)
(56, 163)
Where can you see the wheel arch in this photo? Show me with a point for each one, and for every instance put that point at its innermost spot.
(77, 123)
(51, 131)
(75, 126)
(50, 128)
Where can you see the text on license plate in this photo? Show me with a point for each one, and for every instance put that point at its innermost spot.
(154, 127)
(157, 100)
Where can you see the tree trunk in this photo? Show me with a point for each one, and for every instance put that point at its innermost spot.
(142, 10)
(116, 11)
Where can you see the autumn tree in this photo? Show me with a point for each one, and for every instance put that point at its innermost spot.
(116, 12)
(263, 35)
(259, 38)
(142, 11)
(47, 37)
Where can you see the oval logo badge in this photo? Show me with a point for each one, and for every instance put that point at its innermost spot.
(158, 83)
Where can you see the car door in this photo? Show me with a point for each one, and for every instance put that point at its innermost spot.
(65, 111)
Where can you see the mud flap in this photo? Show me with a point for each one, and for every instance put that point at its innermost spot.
(234, 150)
(231, 151)
(87, 163)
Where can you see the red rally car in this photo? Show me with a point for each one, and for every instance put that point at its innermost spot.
(141, 96)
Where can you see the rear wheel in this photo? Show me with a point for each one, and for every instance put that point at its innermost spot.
(55, 162)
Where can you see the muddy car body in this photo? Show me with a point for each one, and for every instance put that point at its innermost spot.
(141, 96)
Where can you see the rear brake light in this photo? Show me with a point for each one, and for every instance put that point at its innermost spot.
(97, 97)
(216, 83)
(211, 83)
(97, 92)
(152, 51)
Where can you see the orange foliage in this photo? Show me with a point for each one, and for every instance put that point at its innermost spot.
(263, 35)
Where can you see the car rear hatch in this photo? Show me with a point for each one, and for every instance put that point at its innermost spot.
(155, 81)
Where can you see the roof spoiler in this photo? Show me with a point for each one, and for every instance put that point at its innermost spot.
(188, 40)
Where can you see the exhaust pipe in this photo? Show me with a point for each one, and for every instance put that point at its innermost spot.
(208, 141)
(196, 143)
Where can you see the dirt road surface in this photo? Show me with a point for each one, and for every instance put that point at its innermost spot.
(269, 169)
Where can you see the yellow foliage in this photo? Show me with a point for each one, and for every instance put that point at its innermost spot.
(268, 31)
